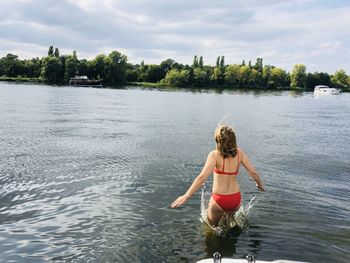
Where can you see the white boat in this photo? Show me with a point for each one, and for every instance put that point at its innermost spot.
(230, 260)
(249, 259)
(325, 90)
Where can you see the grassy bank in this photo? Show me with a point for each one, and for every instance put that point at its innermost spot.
(147, 84)
(21, 79)
(211, 87)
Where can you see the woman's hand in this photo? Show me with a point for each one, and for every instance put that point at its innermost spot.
(179, 201)
(200, 179)
(260, 188)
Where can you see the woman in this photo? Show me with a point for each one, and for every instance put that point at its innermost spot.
(224, 162)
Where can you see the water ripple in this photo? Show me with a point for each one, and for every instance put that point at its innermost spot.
(87, 175)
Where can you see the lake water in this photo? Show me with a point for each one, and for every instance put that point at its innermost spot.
(87, 175)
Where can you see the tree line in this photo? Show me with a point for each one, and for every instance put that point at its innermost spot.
(114, 69)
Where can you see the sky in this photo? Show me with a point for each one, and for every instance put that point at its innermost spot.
(282, 32)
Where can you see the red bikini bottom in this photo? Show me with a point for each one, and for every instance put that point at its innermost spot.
(229, 202)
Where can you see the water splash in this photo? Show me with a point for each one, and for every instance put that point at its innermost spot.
(230, 221)
(221, 122)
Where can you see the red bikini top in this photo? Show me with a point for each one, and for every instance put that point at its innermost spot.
(223, 167)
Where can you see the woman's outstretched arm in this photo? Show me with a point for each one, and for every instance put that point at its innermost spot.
(251, 170)
(200, 179)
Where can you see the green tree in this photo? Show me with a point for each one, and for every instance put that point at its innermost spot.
(317, 78)
(297, 76)
(195, 63)
(222, 62)
(52, 70)
(57, 53)
(2, 67)
(217, 75)
(71, 68)
(32, 68)
(167, 65)
(83, 68)
(253, 77)
(97, 67)
(50, 52)
(154, 73)
(277, 78)
(259, 65)
(131, 75)
(265, 75)
(178, 78)
(339, 79)
(200, 77)
(243, 76)
(116, 64)
(11, 65)
(323, 78)
(63, 59)
(232, 75)
(142, 72)
(201, 62)
(218, 61)
(250, 64)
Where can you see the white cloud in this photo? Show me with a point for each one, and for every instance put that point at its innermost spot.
(23, 50)
(283, 32)
(327, 48)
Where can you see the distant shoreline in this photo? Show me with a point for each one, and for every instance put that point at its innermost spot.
(114, 70)
(218, 87)
(144, 84)
(151, 85)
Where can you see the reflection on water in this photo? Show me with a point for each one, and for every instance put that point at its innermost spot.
(214, 243)
(87, 175)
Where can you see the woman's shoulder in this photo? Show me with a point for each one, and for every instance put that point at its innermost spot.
(242, 154)
(214, 153)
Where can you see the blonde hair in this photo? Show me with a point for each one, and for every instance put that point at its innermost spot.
(226, 143)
